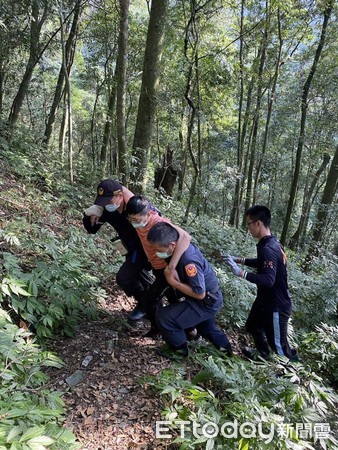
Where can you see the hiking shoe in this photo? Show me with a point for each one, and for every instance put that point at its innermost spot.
(253, 354)
(167, 352)
(136, 314)
(248, 352)
(294, 356)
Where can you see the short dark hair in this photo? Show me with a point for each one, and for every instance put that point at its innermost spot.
(162, 233)
(260, 212)
(138, 204)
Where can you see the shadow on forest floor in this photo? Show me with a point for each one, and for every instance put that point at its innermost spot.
(110, 408)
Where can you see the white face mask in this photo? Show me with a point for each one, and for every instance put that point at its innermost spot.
(162, 255)
(111, 207)
(139, 225)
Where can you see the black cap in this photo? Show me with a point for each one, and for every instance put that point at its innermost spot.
(106, 191)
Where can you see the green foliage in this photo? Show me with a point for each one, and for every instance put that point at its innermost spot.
(276, 399)
(48, 279)
(30, 414)
(54, 294)
(320, 349)
(315, 294)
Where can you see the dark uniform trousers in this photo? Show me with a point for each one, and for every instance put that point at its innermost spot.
(129, 275)
(269, 330)
(152, 300)
(173, 319)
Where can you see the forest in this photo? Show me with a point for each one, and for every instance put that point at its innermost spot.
(206, 107)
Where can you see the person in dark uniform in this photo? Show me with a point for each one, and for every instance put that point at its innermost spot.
(270, 313)
(110, 207)
(143, 216)
(195, 279)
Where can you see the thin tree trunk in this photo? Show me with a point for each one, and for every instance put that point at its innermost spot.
(67, 97)
(199, 134)
(63, 129)
(234, 215)
(147, 102)
(108, 125)
(323, 213)
(121, 71)
(304, 105)
(181, 171)
(69, 57)
(190, 146)
(191, 36)
(269, 113)
(242, 175)
(34, 55)
(248, 196)
(2, 84)
(307, 203)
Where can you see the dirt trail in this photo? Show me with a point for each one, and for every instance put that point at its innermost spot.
(110, 409)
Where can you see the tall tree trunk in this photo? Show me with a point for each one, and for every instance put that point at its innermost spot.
(234, 215)
(2, 83)
(69, 57)
(67, 96)
(147, 102)
(182, 140)
(194, 160)
(323, 213)
(307, 203)
(34, 55)
(269, 113)
(63, 128)
(93, 128)
(248, 195)
(121, 70)
(242, 175)
(108, 125)
(304, 105)
(199, 133)
(191, 43)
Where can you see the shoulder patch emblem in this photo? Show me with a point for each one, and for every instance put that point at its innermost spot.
(191, 270)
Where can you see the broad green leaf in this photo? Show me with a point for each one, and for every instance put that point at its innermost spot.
(32, 433)
(14, 433)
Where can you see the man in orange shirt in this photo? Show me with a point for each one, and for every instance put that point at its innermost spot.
(143, 216)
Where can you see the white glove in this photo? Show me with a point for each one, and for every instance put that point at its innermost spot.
(236, 259)
(236, 270)
(94, 210)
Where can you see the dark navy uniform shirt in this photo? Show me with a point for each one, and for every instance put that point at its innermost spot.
(271, 276)
(195, 270)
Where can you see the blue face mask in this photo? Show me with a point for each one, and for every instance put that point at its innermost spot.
(162, 255)
(112, 207)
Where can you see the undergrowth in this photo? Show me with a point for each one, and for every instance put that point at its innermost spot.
(50, 275)
(234, 404)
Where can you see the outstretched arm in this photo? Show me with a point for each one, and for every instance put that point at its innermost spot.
(91, 218)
